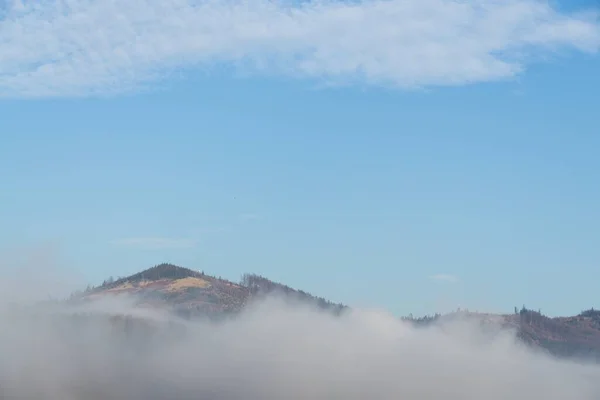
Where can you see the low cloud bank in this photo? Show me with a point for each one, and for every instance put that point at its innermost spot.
(273, 350)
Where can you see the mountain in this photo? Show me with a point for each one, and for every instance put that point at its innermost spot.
(565, 337)
(191, 293)
(574, 336)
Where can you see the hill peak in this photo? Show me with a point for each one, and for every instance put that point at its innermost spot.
(156, 273)
(164, 271)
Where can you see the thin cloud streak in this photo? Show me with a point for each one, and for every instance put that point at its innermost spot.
(87, 47)
(156, 243)
(250, 217)
(444, 278)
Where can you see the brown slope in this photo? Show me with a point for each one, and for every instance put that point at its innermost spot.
(185, 291)
(572, 337)
(566, 337)
(193, 293)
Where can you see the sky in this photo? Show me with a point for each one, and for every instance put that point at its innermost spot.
(412, 155)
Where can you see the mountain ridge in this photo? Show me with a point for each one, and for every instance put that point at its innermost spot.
(191, 293)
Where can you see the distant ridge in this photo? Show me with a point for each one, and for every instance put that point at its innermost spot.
(575, 336)
(260, 285)
(195, 294)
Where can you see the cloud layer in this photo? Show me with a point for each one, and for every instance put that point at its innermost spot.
(88, 47)
(277, 351)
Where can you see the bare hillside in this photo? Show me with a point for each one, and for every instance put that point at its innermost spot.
(192, 293)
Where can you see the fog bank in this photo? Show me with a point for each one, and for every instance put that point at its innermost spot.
(273, 350)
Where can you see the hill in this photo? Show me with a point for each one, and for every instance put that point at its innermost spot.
(565, 337)
(574, 336)
(191, 293)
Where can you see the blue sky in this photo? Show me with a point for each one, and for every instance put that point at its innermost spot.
(412, 155)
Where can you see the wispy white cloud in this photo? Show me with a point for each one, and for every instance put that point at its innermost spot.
(444, 278)
(90, 47)
(249, 217)
(156, 243)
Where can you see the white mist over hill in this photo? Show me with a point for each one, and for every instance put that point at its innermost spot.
(273, 350)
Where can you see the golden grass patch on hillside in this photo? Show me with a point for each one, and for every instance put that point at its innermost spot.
(143, 284)
(189, 282)
(124, 286)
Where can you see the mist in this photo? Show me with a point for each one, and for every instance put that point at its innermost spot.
(274, 349)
